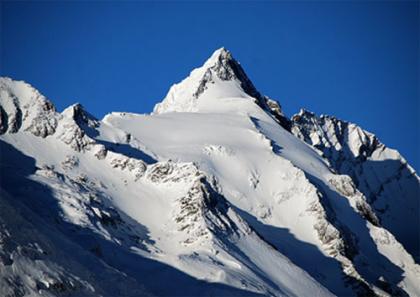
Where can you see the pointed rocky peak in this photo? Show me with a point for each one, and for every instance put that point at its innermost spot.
(303, 116)
(20, 93)
(82, 118)
(226, 68)
(77, 128)
(336, 136)
(221, 76)
(273, 108)
(219, 56)
(22, 107)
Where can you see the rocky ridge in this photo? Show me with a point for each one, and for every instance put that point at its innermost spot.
(101, 189)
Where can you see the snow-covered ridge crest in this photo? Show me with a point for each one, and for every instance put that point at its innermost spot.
(382, 175)
(220, 85)
(72, 128)
(183, 97)
(23, 107)
(218, 191)
(222, 70)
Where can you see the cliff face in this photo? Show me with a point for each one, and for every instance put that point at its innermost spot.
(216, 193)
(385, 178)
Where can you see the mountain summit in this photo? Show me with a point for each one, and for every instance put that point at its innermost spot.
(216, 193)
(220, 85)
(221, 76)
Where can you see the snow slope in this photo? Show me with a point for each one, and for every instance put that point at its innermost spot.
(380, 173)
(216, 190)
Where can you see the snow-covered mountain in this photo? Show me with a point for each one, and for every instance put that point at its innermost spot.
(216, 193)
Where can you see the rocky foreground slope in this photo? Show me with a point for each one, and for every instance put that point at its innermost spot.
(216, 193)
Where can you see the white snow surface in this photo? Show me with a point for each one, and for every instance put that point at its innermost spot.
(208, 195)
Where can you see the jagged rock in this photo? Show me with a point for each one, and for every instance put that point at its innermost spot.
(344, 185)
(100, 151)
(166, 172)
(138, 167)
(202, 213)
(70, 130)
(221, 67)
(72, 135)
(11, 112)
(250, 206)
(379, 173)
(3, 121)
(226, 68)
(70, 162)
(339, 242)
(108, 216)
(336, 139)
(21, 106)
(78, 113)
(45, 122)
(275, 109)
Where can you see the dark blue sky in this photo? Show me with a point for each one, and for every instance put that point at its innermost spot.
(356, 60)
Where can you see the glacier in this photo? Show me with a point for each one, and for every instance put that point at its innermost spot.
(215, 193)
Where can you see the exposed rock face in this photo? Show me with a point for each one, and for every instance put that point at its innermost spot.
(276, 111)
(84, 119)
(381, 174)
(74, 126)
(23, 107)
(135, 166)
(228, 197)
(337, 140)
(72, 135)
(201, 213)
(220, 68)
(226, 68)
(42, 261)
(3, 121)
(345, 186)
(70, 162)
